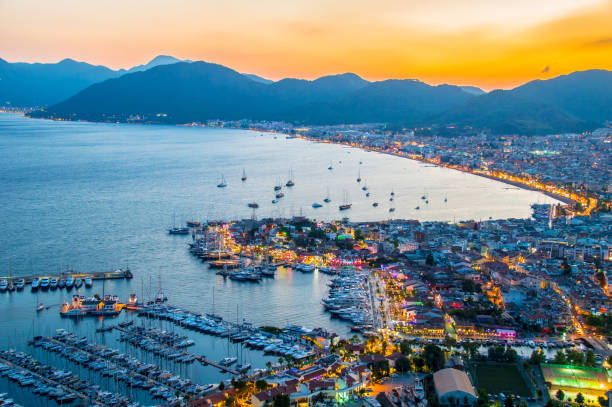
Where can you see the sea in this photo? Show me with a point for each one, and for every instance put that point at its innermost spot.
(97, 197)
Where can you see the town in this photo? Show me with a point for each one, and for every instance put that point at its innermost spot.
(449, 311)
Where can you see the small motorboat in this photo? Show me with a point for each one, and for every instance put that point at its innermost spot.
(228, 361)
(316, 205)
(179, 231)
(88, 282)
(61, 283)
(345, 207)
(253, 205)
(78, 283)
(53, 283)
(69, 282)
(391, 209)
(20, 284)
(40, 307)
(3, 286)
(35, 283)
(375, 204)
(279, 195)
(44, 283)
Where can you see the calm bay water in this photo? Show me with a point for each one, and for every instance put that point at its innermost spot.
(94, 197)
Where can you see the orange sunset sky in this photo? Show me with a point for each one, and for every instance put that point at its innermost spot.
(487, 43)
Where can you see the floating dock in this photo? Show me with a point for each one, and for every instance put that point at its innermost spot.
(99, 275)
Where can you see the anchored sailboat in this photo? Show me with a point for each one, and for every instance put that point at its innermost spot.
(222, 184)
(290, 183)
(327, 198)
(244, 177)
(346, 205)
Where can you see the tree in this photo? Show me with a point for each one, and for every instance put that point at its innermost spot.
(603, 402)
(559, 358)
(405, 347)
(380, 368)
(560, 395)
(282, 400)
(609, 359)
(261, 385)
(509, 401)
(419, 363)
(470, 347)
(537, 357)
(575, 357)
(589, 359)
(433, 356)
(231, 402)
(222, 386)
(402, 364)
(449, 342)
(483, 397)
(579, 398)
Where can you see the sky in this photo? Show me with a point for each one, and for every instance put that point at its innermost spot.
(487, 43)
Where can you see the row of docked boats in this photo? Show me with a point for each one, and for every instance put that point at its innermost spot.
(5, 401)
(109, 362)
(62, 386)
(68, 282)
(211, 324)
(349, 299)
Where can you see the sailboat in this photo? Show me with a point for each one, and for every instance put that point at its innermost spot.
(212, 315)
(346, 205)
(11, 286)
(244, 177)
(290, 183)
(330, 166)
(359, 175)
(278, 185)
(222, 184)
(364, 187)
(39, 305)
(327, 198)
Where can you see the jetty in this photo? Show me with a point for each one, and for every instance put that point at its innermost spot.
(152, 338)
(97, 275)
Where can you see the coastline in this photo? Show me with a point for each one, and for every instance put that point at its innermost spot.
(564, 199)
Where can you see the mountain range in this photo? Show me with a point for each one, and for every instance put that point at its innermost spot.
(174, 91)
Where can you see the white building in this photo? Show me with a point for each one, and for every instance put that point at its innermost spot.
(454, 388)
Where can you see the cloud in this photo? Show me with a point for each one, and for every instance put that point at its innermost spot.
(546, 69)
(602, 41)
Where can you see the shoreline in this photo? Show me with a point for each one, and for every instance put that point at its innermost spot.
(563, 199)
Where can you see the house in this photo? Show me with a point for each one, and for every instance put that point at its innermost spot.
(454, 387)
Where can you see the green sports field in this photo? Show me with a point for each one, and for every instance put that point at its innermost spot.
(501, 378)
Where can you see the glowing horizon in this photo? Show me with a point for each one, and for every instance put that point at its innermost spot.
(485, 43)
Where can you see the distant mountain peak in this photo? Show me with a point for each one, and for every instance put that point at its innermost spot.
(157, 61)
(258, 78)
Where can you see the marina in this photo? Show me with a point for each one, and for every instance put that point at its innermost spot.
(136, 232)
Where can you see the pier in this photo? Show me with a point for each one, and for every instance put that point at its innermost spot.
(218, 366)
(202, 359)
(98, 275)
